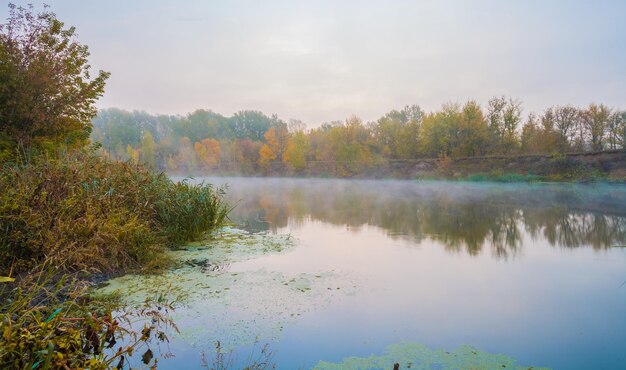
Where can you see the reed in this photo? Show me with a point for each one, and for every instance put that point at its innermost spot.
(86, 213)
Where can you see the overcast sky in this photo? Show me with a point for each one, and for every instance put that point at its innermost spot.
(324, 60)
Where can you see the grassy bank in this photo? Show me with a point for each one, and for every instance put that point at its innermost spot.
(68, 219)
(82, 212)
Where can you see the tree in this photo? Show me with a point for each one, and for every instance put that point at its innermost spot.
(565, 123)
(46, 92)
(276, 138)
(531, 140)
(250, 124)
(504, 117)
(550, 138)
(595, 120)
(187, 155)
(132, 155)
(296, 152)
(266, 155)
(495, 112)
(208, 152)
(296, 125)
(617, 130)
(147, 150)
(472, 132)
(440, 131)
(511, 118)
(397, 132)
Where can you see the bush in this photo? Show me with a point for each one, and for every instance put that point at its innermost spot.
(87, 213)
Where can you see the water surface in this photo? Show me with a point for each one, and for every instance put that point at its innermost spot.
(533, 272)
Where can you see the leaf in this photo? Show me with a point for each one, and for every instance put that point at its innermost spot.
(56, 312)
(147, 356)
(6, 279)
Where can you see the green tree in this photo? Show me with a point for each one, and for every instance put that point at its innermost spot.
(504, 117)
(531, 136)
(47, 95)
(596, 120)
(147, 150)
(617, 131)
(250, 124)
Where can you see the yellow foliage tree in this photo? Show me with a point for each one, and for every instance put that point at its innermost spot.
(296, 152)
(266, 155)
(277, 138)
(208, 151)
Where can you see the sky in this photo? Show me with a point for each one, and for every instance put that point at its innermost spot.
(325, 60)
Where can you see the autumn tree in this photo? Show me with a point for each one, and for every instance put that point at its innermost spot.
(440, 131)
(471, 132)
(397, 132)
(47, 94)
(276, 138)
(266, 156)
(297, 150)
(208, 152)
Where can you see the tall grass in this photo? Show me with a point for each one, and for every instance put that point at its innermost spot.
(83, 212)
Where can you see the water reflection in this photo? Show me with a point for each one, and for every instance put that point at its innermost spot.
(463, 217)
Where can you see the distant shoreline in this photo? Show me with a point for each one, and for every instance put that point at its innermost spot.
(602, 166)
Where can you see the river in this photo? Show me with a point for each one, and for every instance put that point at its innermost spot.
(535, 272)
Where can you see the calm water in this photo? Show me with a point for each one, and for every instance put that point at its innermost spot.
(531, 272)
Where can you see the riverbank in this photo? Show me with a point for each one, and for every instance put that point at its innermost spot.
(605, 166)
(74, 219)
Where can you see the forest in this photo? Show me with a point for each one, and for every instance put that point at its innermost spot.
(253, 143)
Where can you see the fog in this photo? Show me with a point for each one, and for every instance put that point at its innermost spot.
(468, 217)
(324, 60)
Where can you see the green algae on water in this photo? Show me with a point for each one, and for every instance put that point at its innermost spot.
(236, 308)
(416, 356)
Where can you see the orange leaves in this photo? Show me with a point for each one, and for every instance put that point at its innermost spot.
(208, 152)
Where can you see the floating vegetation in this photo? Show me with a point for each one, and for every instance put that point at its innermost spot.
(416, 356)
(236, 308)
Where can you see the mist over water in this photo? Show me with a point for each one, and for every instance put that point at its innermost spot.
(534, 272)
(469, 217)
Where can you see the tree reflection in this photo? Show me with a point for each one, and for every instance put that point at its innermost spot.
(466, 218)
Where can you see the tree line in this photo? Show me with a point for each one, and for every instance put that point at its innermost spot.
(251, 142)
